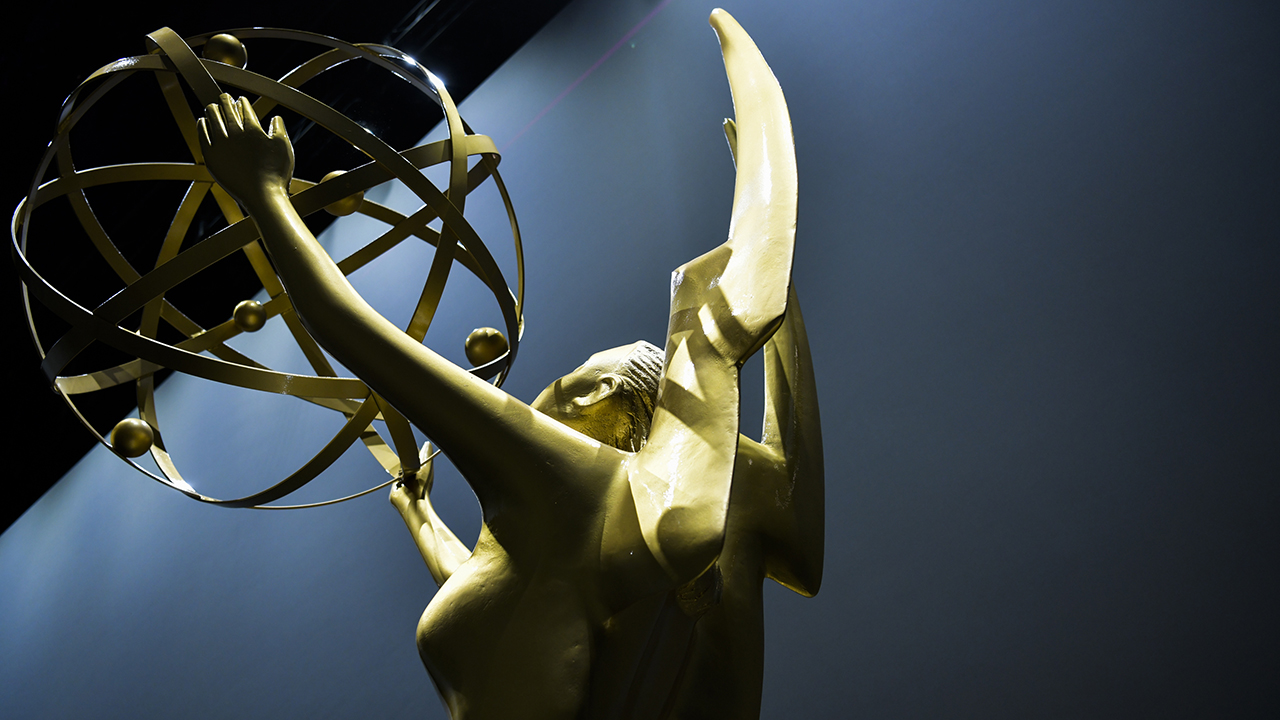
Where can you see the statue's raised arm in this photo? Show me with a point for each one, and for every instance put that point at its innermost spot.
(467, 417)
(724, 306)
(756, 276)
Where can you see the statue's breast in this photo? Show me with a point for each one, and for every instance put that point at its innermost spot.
(501, 642)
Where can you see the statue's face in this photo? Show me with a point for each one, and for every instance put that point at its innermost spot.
(577, 398)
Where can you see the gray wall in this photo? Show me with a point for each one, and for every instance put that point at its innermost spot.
(1037, 252)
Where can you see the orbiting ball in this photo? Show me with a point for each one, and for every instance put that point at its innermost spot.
(346, 205)
(131, 437)
(226, 49)
(485, 345)
(250, 315)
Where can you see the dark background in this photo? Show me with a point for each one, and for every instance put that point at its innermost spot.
(1037, 254)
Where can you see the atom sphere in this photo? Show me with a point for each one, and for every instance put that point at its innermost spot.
(141, 316)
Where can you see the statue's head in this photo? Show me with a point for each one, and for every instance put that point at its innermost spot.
(610, 397)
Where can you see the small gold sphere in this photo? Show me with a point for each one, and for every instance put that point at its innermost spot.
(250, 316)
(346, 205)
(485, 345)
(131, 437)
(226, 49)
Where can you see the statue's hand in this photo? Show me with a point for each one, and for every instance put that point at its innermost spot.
(412, 487)
(247, 161)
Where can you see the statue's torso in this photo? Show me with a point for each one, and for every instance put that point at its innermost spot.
(515, 633)
(504, 642)
(563, 632)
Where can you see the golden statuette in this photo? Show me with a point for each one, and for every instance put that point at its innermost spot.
(628, 526)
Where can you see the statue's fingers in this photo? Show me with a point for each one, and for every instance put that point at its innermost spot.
(202, 132)
(216, 127)
(277, 128)
(248, 114)
(230, 113)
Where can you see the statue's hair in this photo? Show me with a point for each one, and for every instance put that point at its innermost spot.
(640, 372)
